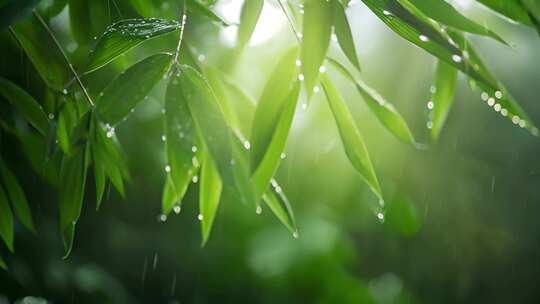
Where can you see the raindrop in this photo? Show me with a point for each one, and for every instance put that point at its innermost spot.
(322, 69)
(301, 77)
(484, 96)
(195, 161)
(278, 189)
(491, 102)
(51, 116)
(456, 58)
(504, 112)
(433, 89)
(380, 216)
(162, 218)
(247, 145)
(167, 168)
(64, 91)
(177, 209)
(304, 106)
(430, 105)
(497, 107)
(298, 63)
(163, 138)
(258, 210)
(282, 156)
(498, 94)
(201, 58)
(194, 149)
(200, 217)
(316, 89)
(299, 35)
(195, 179)
(423, 38)
(515, 119)
(386, 13)
(295, 234)
(429, 125)
(522, 123)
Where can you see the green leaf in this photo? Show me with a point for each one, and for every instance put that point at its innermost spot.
(344, 34)
(317, 28)
(512, 9)
(209, 195)
(385, 112)
(278, 203)
(26, 105)
(88, 19)
(13, 10)
(449, 46)
(3, 264)
(195, 7)
(446, 14)
(274, 97)
(350, 136)
(72, 181)
(130, 87)
(276, 145)
(180, 139)
(40, 48)
(100, 180)
(533, 6)
(251, 10)
(215, 81)
(17, 197)
(215, 132)
(124, 35)
(67, 122)
(443, 97)
(6, 220)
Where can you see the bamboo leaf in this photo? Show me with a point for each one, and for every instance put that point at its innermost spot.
(274, 97)
(87, 19)
(6, 220)
(385, 112)
(317, 28)
(251, 10)
(272, 156)
(17, 197)
(446, 14)
(443, 97)
(42, 51)
(510, 8)
(209, 196)
(215, 132)
(73, 180)
(26, 105)
(451, 47)
(195, 7)
(350, 136)
(278, 203)
(124, 35)
(180, 139)
(344, 34)
(130, 87)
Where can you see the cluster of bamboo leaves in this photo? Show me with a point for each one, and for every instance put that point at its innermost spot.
(204, 135)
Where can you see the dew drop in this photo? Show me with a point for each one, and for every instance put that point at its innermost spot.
(163, 138)
(167, 168)
(301, 77)
(429, 125)
(298, 63)
(282, 156)
(258, 210)
(195, 179)
(498, 94)
(456, 58)
(247, 145)
(194, 149)
(316, 89)
(304, 106)
(380, 216)
(515, 119)
(497, 107)
(322, 69)
(177, 209)
(484, 96)
(504, 112)
(51, 116)
(200, 217)
(386, 13)
(295, 234)
(423, 38)
(491, 102)
(430, 105)
(163, 218)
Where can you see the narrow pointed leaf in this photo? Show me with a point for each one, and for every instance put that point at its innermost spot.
(40, 48)
(385, 112)
(251, 10)
(180, 139)
(344, 34)
(353, 142)
(446, 14)
(512, 9)
(124, 35)
(26, 105)
(317, 28)
(17, 197)
(130, 87)
(272, 156)
(100, 180)
(209, 195)
(87, 19)
(446, 44)
(72, 180)
(214, 130)
(278, 203)
(274, 97)
(6, 220)
(195, 7)
(443, 97)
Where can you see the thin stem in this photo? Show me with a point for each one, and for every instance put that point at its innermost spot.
(181, 35)
(291, 23)
(88, 98)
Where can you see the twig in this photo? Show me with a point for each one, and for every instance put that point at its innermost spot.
(181, 35)
(88, 98)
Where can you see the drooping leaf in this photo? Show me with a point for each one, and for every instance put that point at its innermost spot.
(124, 35)
(344, 34)
(274, 149)
(67, 121)
(443, 97)
(251, 10)
(44, 54)
(449, 46)
(214, 130)
(13, 10)
(73, 180)
(88, 19)
(446, 14)
(179, 142)
(353, 142)
(17, 197)
(274, 97)
(385, 112)
(26, 105)
(130, 87)
(6, 220)
(278, 203)
(215, 81)
(316, 31)
(209, 195)
(512, 9)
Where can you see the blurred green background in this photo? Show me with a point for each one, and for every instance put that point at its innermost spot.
(461, 227)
